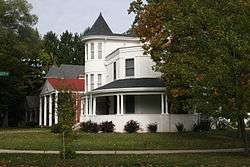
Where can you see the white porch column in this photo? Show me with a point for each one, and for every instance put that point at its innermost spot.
(166, 104)
(118, 105)
(162, 103)
(94, 106)
(56, 107)
(40, 111)
(86, 105)
(90, 105)
(45, 111)
(50, 110)
(82, 109)
(122, 105)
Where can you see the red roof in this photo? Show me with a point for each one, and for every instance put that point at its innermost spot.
(67, 84)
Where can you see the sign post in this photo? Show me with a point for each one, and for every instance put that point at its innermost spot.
(4, 74)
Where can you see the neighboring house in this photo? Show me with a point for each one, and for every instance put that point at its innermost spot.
(121, 84)
(59, 79)
(32, 109)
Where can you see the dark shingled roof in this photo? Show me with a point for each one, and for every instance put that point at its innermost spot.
(65, 71)
(133, 83)
(100, 27)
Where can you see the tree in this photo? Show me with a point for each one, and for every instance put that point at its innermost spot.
(68, 49)
(66, 114)
(51, 46)
(20, 49)
(202, 49)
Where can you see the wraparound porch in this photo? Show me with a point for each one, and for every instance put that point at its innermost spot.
(145, 106)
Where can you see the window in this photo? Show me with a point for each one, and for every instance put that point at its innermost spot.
(87, 50)
(99, 81)
(114, 66)
(92, 50)
(92, 83)
(86, 82)
(99, 50)
(130, 67)
(130, 104)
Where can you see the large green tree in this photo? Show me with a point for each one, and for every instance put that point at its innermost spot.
(67, 49)
(20, 48)
(202, 49)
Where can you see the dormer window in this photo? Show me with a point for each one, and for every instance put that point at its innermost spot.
(130, 67)
(99, 50)
(92, 47)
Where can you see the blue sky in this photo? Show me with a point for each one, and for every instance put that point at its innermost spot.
(76, 15)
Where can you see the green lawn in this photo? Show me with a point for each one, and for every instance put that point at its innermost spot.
(180, 160)
(42, 139)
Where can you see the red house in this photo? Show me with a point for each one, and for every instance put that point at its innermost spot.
(59, 79)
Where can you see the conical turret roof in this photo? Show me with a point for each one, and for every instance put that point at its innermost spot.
(100, 27)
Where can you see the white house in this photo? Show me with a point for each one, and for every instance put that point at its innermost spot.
(121, 85)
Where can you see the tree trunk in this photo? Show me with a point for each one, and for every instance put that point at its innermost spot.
(242, 130)
(6, 119)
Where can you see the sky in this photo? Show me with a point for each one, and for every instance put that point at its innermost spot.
(76, 15)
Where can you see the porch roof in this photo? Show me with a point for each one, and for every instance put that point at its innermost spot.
(134, 83)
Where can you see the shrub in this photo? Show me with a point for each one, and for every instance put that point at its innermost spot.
(179, 127)
(56, 128)
(107, 127)
(152, 127)
(132, 126)
(90, 127)
(201, 126)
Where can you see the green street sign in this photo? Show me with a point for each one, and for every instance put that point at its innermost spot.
(4, 74)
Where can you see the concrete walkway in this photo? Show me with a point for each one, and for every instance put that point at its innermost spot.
(128, 152)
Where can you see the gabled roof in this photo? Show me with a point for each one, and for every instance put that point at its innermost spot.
(67, 84)
(134, 83)
(65, 71)
(100, 27)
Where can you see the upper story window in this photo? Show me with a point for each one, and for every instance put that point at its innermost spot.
(99, 81)
(99, 50)
(87, 79)
(92, 48)
(86, 50)
(130, 67)
(114, 68)
(92, 82)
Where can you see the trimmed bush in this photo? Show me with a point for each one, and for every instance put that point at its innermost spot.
(179, 127)
(107, 127)
(132, 126)
(152, 128)
(56, 128)
(202, 126)
(90, 127)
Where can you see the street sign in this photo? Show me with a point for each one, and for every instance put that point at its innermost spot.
(4, 74)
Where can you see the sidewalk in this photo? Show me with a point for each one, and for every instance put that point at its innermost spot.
(128, 152)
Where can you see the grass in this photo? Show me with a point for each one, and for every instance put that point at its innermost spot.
(41, 139)
(180, 160)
